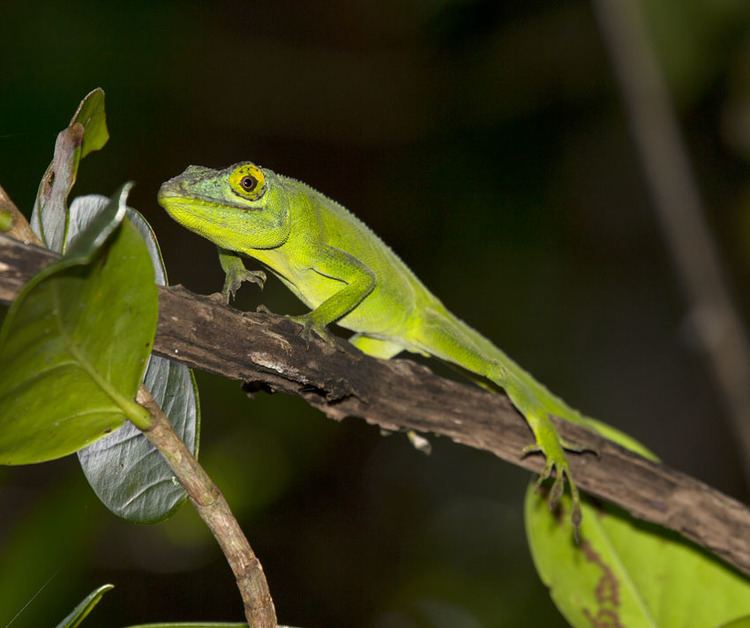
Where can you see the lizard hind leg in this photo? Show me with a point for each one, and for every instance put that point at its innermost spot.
(538, 407)
(376, 347)
(451, 340)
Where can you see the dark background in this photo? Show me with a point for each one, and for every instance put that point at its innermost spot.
(485, 142)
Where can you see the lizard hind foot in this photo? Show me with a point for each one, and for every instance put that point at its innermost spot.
(557, 467)
(310, 327)
(556, 491)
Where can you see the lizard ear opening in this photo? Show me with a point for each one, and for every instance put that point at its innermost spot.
(247, 181)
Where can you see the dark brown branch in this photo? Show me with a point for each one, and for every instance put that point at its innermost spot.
(266, 351)
(216, 514)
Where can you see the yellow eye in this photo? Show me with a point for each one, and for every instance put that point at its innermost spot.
(248, 182)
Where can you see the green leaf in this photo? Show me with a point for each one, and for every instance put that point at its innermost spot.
(85, 607)
(92, 116)
(127, 473)
(626, 572)
(49, 218)
(86, 132)
(6, 220)
(74, 344)
(85, 209)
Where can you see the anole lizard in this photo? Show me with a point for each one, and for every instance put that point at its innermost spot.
(340, 269)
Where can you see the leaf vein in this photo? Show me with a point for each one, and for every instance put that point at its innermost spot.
(37, 376)
(146, 488)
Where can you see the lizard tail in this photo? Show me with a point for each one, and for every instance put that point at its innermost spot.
(440, 334)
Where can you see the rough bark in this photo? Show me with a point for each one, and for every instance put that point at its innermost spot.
(266, 352)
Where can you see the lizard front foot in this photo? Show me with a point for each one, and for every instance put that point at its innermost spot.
(236, 277)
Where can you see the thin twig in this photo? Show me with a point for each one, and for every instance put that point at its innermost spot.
(214, 510)
(678, 205)
(267, 352)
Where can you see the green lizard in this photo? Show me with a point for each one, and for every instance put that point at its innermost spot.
(340, 269)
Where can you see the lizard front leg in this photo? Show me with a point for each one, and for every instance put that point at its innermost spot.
(357, 281)
(235, 274)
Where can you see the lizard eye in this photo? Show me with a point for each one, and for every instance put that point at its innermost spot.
(248, 183)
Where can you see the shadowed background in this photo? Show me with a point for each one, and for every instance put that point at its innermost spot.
(487, 144)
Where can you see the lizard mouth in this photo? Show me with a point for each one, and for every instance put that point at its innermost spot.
(180, 205)
(174, 189)
(172, 193)
(176, 199)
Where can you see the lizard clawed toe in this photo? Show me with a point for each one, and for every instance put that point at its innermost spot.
(310, 327)
(234, 280)
(556, 466)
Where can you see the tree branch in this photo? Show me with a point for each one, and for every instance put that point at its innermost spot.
(216, 514)
(266, 352)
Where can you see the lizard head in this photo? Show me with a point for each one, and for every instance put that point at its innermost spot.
(241, 207)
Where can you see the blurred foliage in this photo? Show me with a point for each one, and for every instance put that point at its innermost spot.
(484, 142)
(84, 608)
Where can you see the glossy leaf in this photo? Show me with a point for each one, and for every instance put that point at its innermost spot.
(49, 216)
(128, 475)
(629, 573)
(85, 209)
(65, 382)
(86, 132)
(124, 470)
(92, 116)
(80, 612)
(626, 572)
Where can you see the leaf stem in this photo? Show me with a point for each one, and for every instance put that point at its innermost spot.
(214, 510)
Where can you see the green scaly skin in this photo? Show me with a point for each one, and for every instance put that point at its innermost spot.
(345, 274)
